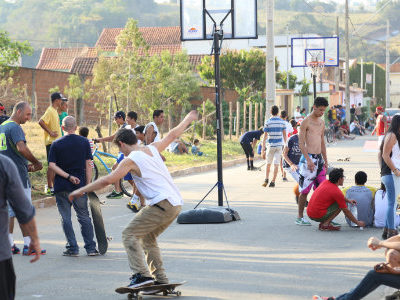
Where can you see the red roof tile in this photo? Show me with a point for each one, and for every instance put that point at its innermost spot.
(152, 35)
(83, 65)
(61, 59)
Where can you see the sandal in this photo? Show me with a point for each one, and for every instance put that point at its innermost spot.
(392, 232)
(329, 227)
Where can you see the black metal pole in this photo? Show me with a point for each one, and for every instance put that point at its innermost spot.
(314, 77)
(217, 37)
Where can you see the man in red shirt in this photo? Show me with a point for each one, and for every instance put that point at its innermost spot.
(328, 201)
(381, 124)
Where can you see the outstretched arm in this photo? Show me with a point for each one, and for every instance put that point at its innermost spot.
(176, 132)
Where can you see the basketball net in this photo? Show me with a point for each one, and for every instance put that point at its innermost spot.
(316, 67)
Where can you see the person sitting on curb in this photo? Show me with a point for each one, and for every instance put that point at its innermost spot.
(381, 203)
(328, 201)
(380, 275)
(364, 196)
(248, 141)
(196, 148)
(178, 147)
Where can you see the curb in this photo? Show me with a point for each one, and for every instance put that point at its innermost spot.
(51, 201)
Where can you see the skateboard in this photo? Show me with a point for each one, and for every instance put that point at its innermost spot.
(137, 293)
(394, 296)
(102, 240)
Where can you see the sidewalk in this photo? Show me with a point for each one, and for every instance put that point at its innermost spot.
(263, 256)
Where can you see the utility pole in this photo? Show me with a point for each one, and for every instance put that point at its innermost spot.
(387, 66)
(373, 82)
(347, 64)
(337, 69)
(270, 68)
(287, 57)
(362, 75)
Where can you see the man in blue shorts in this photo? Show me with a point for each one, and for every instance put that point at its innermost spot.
(13, 145)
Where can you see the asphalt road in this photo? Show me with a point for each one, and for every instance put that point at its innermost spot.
(263, 256)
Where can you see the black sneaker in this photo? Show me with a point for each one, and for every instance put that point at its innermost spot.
(272, 184)
(156, 290)
(93, 253)
(137, 280)
(71, 253)
(248, 168)
(284, 179)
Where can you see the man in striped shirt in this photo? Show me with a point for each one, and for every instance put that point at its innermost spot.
(275, 133)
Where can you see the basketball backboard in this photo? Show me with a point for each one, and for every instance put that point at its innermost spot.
(321, 49)
(240, 22)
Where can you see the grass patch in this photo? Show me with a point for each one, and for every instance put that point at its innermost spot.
(35, 142)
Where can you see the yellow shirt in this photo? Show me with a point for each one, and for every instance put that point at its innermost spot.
(52, 121)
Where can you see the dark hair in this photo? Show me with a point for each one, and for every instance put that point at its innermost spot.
(335, 175)
(344, 122)
(196, 141)
(140, 128)
(84, 131)
(157, 113)
(274, 110)
(360, 178)
(394, 128)
(132, 115)
(125, 136)
(303, 110)
(283, 114)
(321, 101)
(293, 123)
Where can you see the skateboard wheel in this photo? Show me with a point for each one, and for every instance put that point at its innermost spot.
(178, 293)
(165, 293)
(139, 297)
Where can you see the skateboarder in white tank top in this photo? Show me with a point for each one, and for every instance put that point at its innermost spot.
(164, 201)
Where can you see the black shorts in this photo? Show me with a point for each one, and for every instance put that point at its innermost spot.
(248, 149)
(48, 151)
(7, 280)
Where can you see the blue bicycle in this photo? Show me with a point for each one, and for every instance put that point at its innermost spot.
(126, 186)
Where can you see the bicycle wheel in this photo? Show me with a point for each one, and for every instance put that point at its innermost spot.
(95, 174)
(126, 187)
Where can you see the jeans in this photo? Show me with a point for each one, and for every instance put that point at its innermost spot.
(82, 213)
(369, 283)
(392, 185)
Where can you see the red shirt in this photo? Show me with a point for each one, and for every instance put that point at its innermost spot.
(381, 126)
(293, 133)
(323, 197)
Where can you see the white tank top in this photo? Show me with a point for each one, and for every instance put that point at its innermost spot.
(396, 155)
(158, 137)
(156, 183)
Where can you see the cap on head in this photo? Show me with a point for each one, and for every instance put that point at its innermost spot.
(379, 108)
(2, 107)
(56, 96)
(119, 114)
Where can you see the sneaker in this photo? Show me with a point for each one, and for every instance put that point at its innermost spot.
(272, 184)
(254, 169)
(25, 251)
(284, 179)
(94, 253)
(248, 168)
(336, 224)
(265, 183)
(133, 207)
(316, 297)
(71, 253)
(137, 280)
(302, 222)
(155, 291)
(15, 249)
(329, 227)
(50, 192)
(115, 195)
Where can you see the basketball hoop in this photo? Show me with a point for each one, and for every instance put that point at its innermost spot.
(316, 67)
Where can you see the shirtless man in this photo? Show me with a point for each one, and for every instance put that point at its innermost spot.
(163, 198)
(313, 162)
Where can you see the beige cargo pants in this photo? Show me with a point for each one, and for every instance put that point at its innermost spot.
(140, 239)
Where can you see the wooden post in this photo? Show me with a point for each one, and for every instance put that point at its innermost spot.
(244, 117)
(256, 117)
(98, 130)
(250, 116)
(230, 120)
(169, 115)
(237, 118)
(204, 120)
(261, 113)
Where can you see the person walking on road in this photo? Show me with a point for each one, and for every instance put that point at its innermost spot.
(12, 192)
(164, 201)
(70, 158)
(390, 175)
(313, 162)
(13, 145)
(381, 125)
(50, 123)
(275, 132)
(248, 141)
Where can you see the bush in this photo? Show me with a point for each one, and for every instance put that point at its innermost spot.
(210, 132)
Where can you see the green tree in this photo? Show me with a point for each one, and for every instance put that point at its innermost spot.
(10, 51)
(282, 80)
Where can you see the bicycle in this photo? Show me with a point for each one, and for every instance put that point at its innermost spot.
(330, 134)
(125, 186)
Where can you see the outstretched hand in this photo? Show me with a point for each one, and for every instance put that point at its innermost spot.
(193, 115)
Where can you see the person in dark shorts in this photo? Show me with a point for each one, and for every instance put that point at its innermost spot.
(248, 141)
(328, 201)
(12, 192)
(70, 158)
